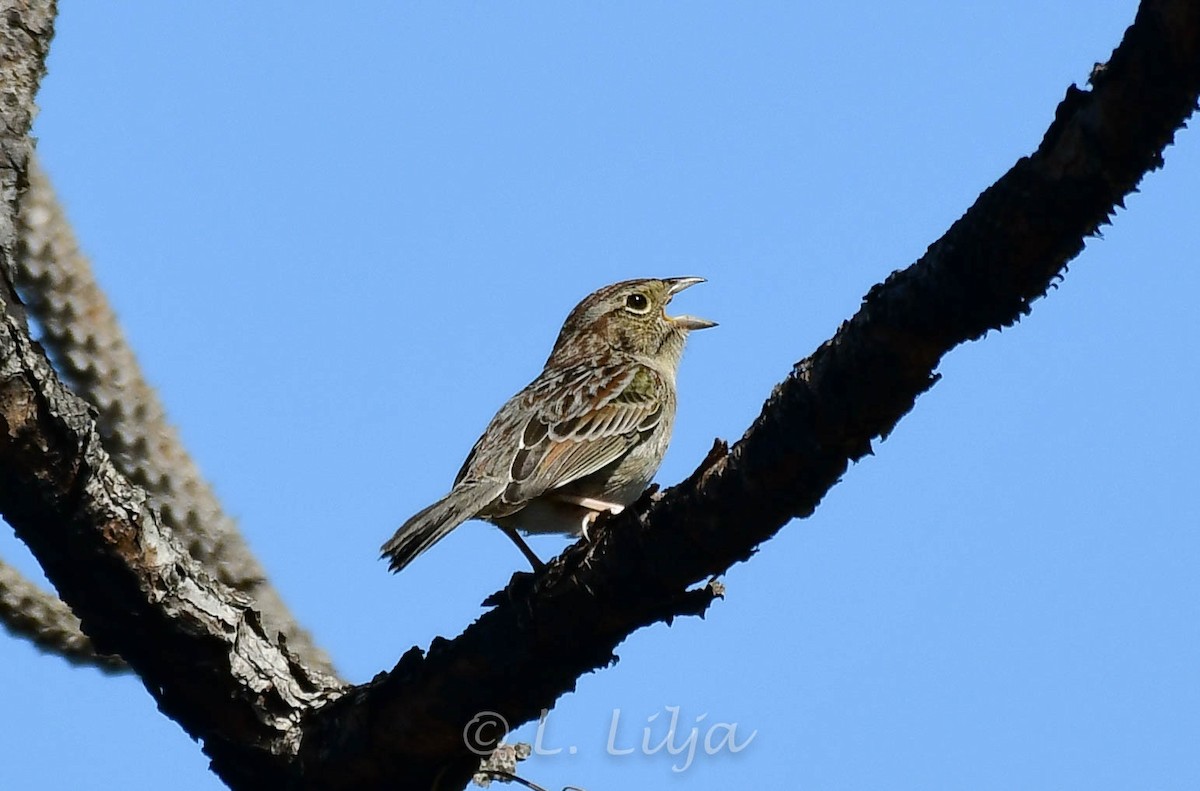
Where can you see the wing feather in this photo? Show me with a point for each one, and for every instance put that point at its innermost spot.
(582, 421)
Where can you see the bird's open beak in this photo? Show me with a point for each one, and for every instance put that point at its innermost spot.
(674, 286)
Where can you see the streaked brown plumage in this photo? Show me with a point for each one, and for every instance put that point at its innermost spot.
(585, 436)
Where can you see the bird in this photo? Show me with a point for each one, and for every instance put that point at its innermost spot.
(586, 436)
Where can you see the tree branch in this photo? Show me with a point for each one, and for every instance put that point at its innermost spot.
(25, 37)
(267, 721)
(983, 274)
(81, 332)
(38, 616)
(199, 647)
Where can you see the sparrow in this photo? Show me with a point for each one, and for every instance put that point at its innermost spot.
(586, 436)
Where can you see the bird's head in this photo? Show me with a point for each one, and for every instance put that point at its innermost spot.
(631, 317)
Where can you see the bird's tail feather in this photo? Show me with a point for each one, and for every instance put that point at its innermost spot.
(432, 524)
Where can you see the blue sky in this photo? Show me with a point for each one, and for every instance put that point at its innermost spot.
(340, 240)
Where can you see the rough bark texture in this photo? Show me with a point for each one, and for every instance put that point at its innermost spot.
(267, 722)
(81, 332)
(199, 646)
(24, 40)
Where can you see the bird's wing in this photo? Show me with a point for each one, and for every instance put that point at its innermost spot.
(580, 421)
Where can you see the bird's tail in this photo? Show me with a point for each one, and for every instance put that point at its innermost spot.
(432, 524)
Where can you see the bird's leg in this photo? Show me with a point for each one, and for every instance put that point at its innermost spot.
(592, 504)
(589, 519)
(595, 508)
(533, 559)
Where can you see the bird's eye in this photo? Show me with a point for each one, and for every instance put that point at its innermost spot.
(637, 303)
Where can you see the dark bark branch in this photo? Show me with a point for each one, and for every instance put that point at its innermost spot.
(983, 274)
(27, 27)
(267, 722)
(82, 334)
(36, 615)
(25, 609)
(198, 646)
